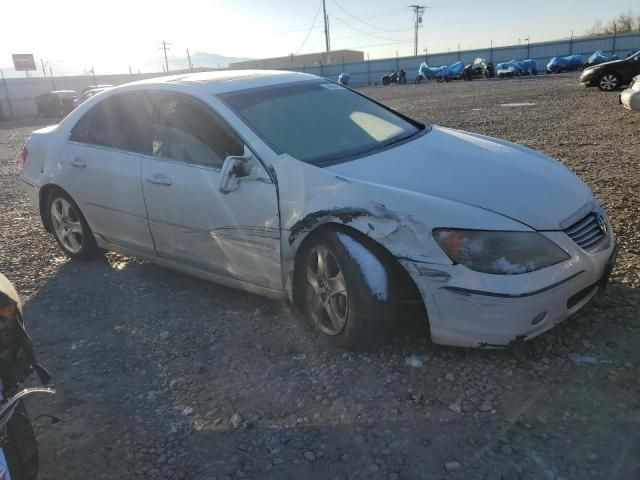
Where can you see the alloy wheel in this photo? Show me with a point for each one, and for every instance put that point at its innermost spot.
(609, 82)
(326, 291)
(66, 225)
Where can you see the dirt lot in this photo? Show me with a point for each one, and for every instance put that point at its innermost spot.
(162, 376)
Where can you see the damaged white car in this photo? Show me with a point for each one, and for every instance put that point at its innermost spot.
(289, 185)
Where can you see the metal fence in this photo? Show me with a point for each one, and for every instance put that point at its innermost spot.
(370, 72)
(17, 94)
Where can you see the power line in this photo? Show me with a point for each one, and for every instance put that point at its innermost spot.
(365, 33)
(315, 17)
(366, 23)
(380, 15)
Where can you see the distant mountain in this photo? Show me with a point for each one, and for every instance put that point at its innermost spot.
(198, 59)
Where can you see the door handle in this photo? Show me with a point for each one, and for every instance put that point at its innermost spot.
(159, 179)
(78, 162)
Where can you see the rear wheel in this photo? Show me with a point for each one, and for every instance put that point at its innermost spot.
(348, 294)
(609, 82)
(69, 226)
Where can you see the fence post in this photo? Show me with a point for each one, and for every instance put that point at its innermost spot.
(615, 32)
(6, 92)
(571, 44)
(368, 70)
(321, 69)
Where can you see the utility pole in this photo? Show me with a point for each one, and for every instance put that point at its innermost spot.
(189, 58)
(165, 48)
(327, 39)
(528, 39)
(44, 72)
(418, 10)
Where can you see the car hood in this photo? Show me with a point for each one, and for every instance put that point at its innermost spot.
(604, 64)
(484, 172)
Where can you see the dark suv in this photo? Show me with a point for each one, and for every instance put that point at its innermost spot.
(610, 76)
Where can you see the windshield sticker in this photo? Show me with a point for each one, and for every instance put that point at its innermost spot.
(331, 86)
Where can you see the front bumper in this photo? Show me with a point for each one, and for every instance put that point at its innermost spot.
(472, 309)
(590, 80)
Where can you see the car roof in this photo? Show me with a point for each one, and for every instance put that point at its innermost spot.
(224, 81)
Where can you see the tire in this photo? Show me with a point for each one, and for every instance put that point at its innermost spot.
(501, 75)
(386, 81)
(21, 449)
(609, 81)
(347, 292)
(69, 227)
(419, 79)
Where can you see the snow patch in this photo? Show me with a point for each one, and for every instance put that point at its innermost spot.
(521, 104)
(505, 266)
(373, 270)
(416, 361)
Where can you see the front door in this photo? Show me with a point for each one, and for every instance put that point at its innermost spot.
(102, 166)
(235, 235)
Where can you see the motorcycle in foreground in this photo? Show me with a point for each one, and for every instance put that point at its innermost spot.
(18, 446)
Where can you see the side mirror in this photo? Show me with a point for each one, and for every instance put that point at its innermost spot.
(234, 168)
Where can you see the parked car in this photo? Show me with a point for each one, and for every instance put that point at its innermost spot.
(568, 63)
(630, 98)
(480, 68)
(517, 68)
(94, 87)
(55, 104)
(291, 186)
(399, 76)
(612, 75)
(599, 57)
(87, 94)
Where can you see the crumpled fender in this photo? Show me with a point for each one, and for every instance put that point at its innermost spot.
(399, 220)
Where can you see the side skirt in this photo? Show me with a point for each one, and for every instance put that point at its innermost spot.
(195, 272)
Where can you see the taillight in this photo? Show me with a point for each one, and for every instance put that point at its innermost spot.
(23, 156)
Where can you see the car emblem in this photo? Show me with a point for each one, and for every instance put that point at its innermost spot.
(602, 223)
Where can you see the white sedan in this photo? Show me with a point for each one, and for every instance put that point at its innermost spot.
(289, 185)
(630, 98)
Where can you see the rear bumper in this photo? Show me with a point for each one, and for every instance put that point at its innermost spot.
(469, 309)
(32, 191)
(630, 99)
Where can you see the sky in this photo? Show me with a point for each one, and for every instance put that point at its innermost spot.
(111, 36)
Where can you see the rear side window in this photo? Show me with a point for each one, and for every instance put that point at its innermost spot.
(122, 122)
(185, 131)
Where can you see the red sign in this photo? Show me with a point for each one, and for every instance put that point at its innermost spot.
(23, 62)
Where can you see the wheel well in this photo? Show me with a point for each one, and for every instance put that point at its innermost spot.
(408, 292)
(45, 191)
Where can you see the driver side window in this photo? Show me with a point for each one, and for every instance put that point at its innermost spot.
(184, 131)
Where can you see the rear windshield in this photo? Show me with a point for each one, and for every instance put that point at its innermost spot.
(319, 122)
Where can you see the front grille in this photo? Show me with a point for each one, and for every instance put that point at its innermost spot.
(586, 232)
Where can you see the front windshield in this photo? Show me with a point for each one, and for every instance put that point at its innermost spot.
(319, 121)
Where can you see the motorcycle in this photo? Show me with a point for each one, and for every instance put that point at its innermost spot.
(18, 446)
(399, 76)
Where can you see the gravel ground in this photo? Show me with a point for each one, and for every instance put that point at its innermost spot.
(162, 376)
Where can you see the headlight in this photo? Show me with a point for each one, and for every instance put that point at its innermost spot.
(500, 253)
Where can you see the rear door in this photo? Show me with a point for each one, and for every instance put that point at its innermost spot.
(193, 223)
(101, 170)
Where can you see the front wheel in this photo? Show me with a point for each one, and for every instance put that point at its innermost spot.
(69, 226)
(419, 79)
(348, 293)
(609, 82)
